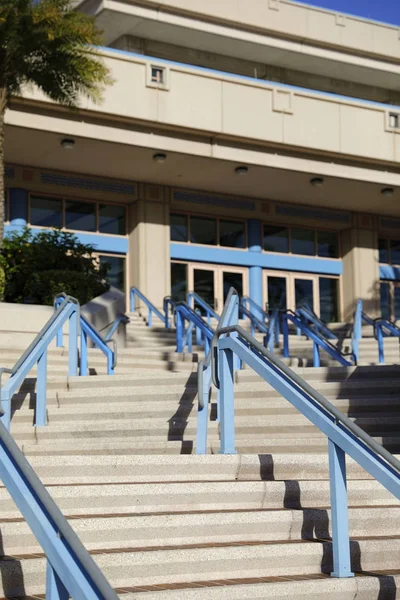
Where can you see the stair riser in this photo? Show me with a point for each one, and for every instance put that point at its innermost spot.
(214, 528)
(203, 564)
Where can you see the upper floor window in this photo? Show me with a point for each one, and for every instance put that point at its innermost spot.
(45, 211)
(298, 240)
(76, 215)
(229, 233)
(389, 251)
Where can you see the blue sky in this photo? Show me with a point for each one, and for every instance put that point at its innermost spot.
(387, 11)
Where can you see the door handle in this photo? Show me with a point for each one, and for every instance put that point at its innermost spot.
(216, 303)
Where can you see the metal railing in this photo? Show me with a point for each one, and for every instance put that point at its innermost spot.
(384, 328)
(255, 323)
(193, 299)
(87, 330)
(356, 334)
(319, 342)
(114, 326)
(36, 353)
(185, 314)
(344, 436)
(309, 316)
(230, 315)
(249, 303)
(135, 293)
(71, 571)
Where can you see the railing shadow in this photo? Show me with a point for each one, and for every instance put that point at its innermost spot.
(12, 577)
(177, 423)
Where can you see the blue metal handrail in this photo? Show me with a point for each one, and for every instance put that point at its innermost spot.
(89, 331)
(114, 326)
(384, 328)
(272, 338)
(193, 299)
(184, 313)
(356, 334)
(344, 436)
(36, 353)
(255, 323)
(229, 316)
(253, 306)
(169, 307)
(71, 571)
(318, 341)
(151, 308)
(309, 316)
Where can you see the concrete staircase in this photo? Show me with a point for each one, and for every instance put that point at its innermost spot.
(166, 525)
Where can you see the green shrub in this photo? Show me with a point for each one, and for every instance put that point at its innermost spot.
(37, 266)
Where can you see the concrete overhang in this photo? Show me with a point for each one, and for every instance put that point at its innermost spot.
(123, 18)
(127, 153)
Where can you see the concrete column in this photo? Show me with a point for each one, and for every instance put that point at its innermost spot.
(149, 240)
(255, 272)
(360, 271)
(18, 198)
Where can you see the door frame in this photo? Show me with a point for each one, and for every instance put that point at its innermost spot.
(218, 270)
(290, 286)
(290, 277)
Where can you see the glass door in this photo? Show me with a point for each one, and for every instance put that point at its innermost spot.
(231, 278)
(276, 292)
(204, 285)
(304, 292)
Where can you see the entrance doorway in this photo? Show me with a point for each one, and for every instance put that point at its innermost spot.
(284, 291)
(390, 300)
(211, 282)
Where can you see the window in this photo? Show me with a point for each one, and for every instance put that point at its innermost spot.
(80, 216)
(329, 299)
(328, 245)
(299, 240)
(203, 231)
(179, 228)
(116, 270)
(157, 75)
(178, 282)
(395, 252)
(112, 219)
(276, 239)
(383, 246)
(303, 242)
(394, 120)
(232, 234)
(46, 212)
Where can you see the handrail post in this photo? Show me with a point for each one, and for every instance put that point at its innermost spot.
(6, 406)
(84, 355)
(132, 300)
(55, 589)
(110, 365)
(73, 343)
(379, 337)
(316, 357)
(150, 318)
(339, 512)
(41, 390)
(227, 417)
(179, 331)
(285, 331)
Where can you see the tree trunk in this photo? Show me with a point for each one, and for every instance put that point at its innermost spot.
(3, 104)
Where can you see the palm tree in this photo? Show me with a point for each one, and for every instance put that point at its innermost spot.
(48, 44)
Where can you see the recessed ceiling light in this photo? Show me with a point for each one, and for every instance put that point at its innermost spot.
(160, 157)
(68, 144)
(241, 170)
(317, 181)
(387, 191)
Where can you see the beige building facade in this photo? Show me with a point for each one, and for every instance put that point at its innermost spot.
(256, 148)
